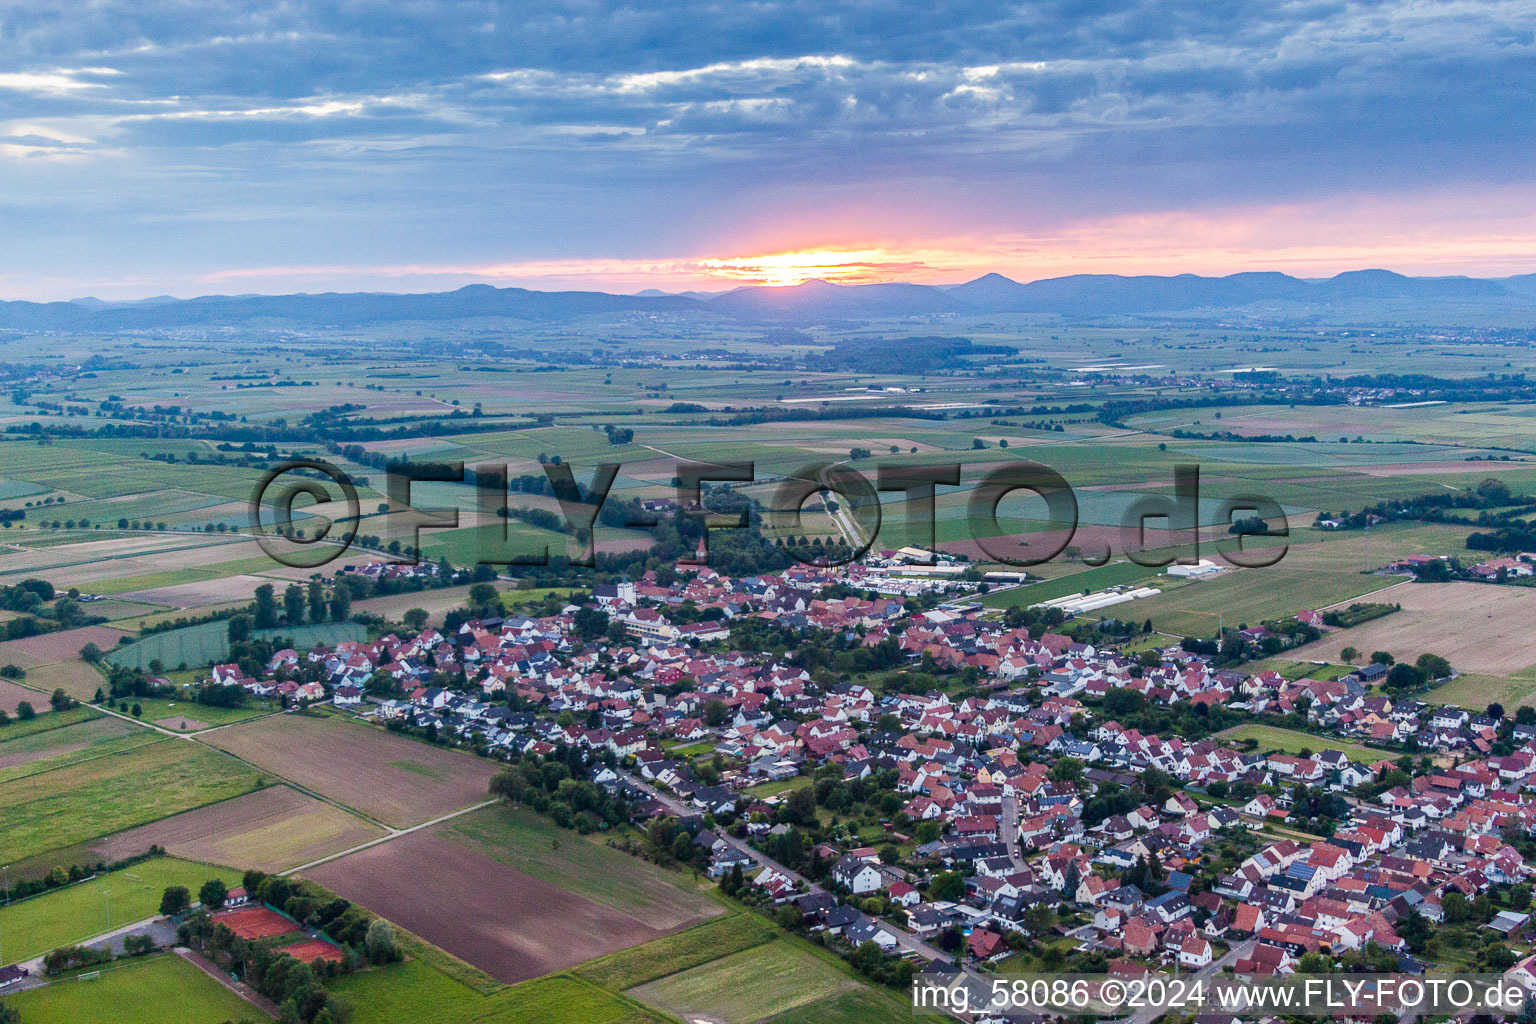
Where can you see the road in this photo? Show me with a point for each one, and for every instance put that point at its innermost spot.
(1010, 827)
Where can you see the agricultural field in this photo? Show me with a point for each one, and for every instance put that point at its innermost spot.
(510, 925)
(1288, 741)
(1479, 628)
(62, 917)
(272, 829)
(393, 780)
(58, 748)
(70, 804)
(162, 989)
(677, 952)
(47, 721)
(535, 847)
(208, 643)
(413, 991)
(47, 648)
(13, 694)
(744, 988)
(1248, 596)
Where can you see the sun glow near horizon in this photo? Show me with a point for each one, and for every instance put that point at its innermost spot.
(841, 266)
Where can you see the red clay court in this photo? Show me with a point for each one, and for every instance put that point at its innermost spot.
(311, 950)
(255, 922)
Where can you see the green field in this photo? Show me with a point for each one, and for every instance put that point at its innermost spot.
(537, 847)
(75, 744)
(158, 709)
(77, 912)
(208, 643)
(1288, 741)
(1247, 597)
(82, 801)
(414, 992)
(862, 1005)
(640, 964)
(162, 989)
(1476, 692)
(47, 721)
(750, 986)
(1113, 574)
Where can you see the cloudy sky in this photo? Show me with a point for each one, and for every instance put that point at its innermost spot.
(159, 147)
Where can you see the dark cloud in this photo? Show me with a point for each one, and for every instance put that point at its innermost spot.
(1134, 104)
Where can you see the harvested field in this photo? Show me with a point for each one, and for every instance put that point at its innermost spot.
(181, 724)
(1478, 627)
(392, 779)
(12, 694)
(61, 646)
(509, 925)
(74, 677)
(271, 830)
(536, 847)
(437, 603)
(37, 561)
(199, 593)
(255, 922)
(311, 950)
(181, 552)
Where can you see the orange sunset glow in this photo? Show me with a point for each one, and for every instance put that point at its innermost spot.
(843, 266)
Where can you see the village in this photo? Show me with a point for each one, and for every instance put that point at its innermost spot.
(1023, 823)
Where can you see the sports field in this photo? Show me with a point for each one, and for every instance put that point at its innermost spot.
(76, 912)
(162, 989)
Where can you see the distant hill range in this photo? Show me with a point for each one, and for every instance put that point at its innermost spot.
(1079, 296)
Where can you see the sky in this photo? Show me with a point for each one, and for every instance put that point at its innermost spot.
(158, 147)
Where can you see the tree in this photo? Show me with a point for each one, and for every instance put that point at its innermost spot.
(1349, 654)
(91, 653)
(416, 618)
(60, 701)
(715, 713)
(1382, 657)
(482, 596)
(341, 603)
(948, 886)
(380, 943)
(213, 894)
(316, 601)
(1404, 677)
(137, 711)
(801, 805)
(1068, 769)
(293, 604)
(1433, 666)
(174, 900)
(25, 712)
(266, 607)
(239, 629)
